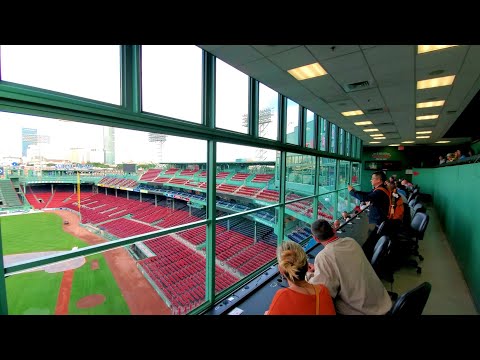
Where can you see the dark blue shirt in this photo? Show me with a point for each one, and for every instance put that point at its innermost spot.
(379, 201)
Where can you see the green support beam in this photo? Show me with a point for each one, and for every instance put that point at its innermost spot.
(3, 288)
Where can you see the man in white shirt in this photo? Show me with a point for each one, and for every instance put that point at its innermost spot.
(344, 269)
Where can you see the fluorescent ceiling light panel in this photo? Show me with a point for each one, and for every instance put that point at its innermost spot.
(442, 142)
(374, 142)
(370, 130)
(427, 48)
(408, 142)
(361, 123)
(307, 71)
(427, 117)
(424, 132)
(423, 137)
(394, 145)
(380, 138)
(430, 104)
(352, 113)
(437, 82)
(375, 135)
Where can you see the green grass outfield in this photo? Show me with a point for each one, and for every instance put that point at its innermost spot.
(37, 292)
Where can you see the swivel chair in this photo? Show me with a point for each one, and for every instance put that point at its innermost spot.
(380, 263)
(407, 242)
(412, 302)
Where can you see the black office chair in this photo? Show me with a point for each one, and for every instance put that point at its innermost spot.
(412, 302)
(412, 202)
(381, 265)
(418, 208)
(411, 197)
(407, 242)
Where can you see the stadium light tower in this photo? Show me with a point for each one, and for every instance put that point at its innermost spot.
(264, 119)
(158, 140)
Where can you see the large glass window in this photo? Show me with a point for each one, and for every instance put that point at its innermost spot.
(323, 134)
(268, 113)
(341, 141)
(232, 98)
(292, 118)
(172, 81)
(333, 138)
(89, 71)
(355, 179)
(354, 146)
(309, 129)
(343, 167)
(327, 175)
(347, 143)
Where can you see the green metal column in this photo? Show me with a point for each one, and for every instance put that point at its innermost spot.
(315, 188)
(3, 288)
(131, 79)
(253, 107)
(208, 118)
(282, 128)
(211, 215)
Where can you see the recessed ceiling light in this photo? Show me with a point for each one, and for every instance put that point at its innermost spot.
(370, 130)
(436, 82)
(394, 145)
(374, 142)
(427, 117)
(442, 142)
(375, 135)
(427, 48)
(361, 123)
(424, 132)
(380, 138)
(408, 142)
(352, 113)
(423, 137)
(430, 104)
(307, 71)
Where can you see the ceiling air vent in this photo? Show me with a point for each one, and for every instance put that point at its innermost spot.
(357, 86)
(374, 111)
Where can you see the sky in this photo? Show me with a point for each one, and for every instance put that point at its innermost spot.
(171, 87)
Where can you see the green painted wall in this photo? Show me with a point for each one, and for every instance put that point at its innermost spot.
(386, 153)
(456, 198)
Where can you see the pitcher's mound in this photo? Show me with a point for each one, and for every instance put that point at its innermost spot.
(90, 301)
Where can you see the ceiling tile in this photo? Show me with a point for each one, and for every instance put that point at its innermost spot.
(351, 68)
(268, 50)
(325, 52)
(293, 58)
(236, 55)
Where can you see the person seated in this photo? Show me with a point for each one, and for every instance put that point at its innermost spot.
(336, 224)
(441, 160)
(459, 156)
(450, 157)
(301, 297)
(345, 215)
(345, 270)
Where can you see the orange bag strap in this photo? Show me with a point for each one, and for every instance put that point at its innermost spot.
(391, 206)
(317, 303)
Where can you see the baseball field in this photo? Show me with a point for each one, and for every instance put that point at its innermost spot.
(101, 284)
